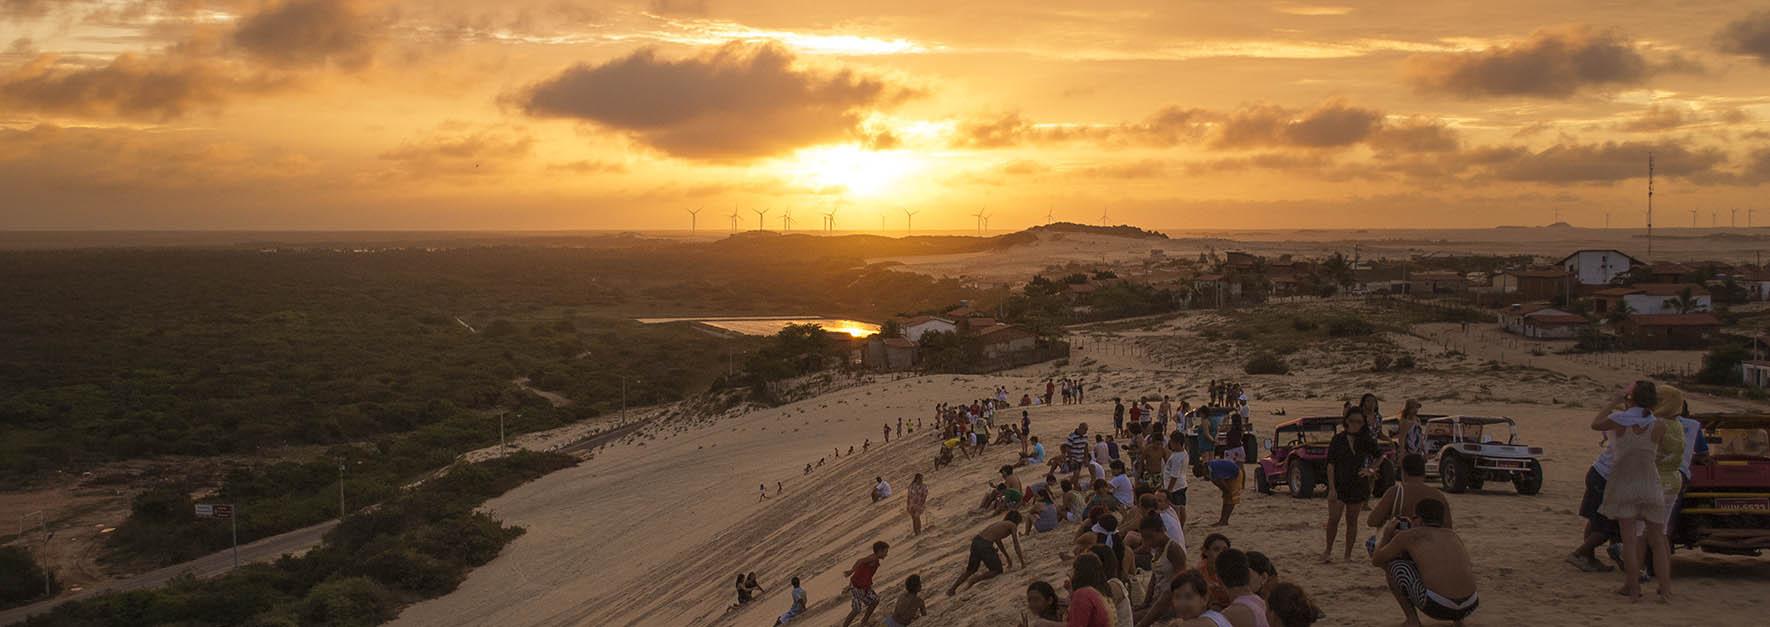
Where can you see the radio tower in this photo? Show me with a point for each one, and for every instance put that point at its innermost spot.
(1650, 206)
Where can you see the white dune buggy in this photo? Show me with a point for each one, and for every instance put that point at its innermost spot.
(1471, 452)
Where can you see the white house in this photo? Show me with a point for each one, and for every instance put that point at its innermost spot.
(1755, 373)
(1652, 298)
(913, 328)
(1757, 284)
(1597, 267)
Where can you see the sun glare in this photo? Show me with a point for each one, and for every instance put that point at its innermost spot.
(858, 171)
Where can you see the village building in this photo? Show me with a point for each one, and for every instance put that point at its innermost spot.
(1437, 283)
(1670, 331)
(1594, 267)
(1004, 340)
(1755, 373)
(1534, 285)
(1652, 298)
(1541, 322)
(889, 353)
(915, 328)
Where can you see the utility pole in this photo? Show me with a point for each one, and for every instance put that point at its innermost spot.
(1650, 206)
(341, 479)
(501, 445)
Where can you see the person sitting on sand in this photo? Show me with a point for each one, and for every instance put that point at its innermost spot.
(1036, 456)
(743, 593)
(1190, 602)
(909, 607)
(1227, 475)
(987, 550)
(1044, 515)
(1169, 560)
(1075, 506)
(1402, 500)
(798, 605)
(1090, 598)
(860, 584)
(881, 489)
(1122, 488)
(1288, 606)
(1042, 607)
(1102, 497)
(1263, 568)
(1428, 569)
(1245, 609)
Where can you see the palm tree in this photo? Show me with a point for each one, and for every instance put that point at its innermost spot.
(1684, 302)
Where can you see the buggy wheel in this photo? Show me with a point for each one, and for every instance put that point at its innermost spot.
(1302, 480)
(1454, 472)
(1260, 481)
(1531, 482)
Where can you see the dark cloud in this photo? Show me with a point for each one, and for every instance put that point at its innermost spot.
(1550, 64)
(1414, 136)
(454, 152)
(736, 103)
(158, 87)
(1139, 169)
(1749, 35)
(309, 32)
(24, 9)
(1606, 162)
(1312, 162)
(1334, 124)
(1757, 167)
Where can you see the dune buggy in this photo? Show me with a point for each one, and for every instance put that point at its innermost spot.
(1297, 457)
(1727, 504)
(1470, 452)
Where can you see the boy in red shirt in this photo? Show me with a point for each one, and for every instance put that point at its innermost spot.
(860, 585)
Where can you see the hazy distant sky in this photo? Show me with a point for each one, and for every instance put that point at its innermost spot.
(565, 114)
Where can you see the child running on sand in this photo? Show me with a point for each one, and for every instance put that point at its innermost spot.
(860, 585)
(984, 551)
(909, 606)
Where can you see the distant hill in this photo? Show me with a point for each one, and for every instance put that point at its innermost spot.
(1122, 230)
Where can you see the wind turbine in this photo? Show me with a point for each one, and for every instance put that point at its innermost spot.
(787, 220)
(734, 218)
(986, 222)
(759, 214)
(882, 228)
(1733, 220)
(909, 221)
(830, 221)
(1050, 214)
(1749, 212)
(693, 216)
(979, 216)
(1103, 216)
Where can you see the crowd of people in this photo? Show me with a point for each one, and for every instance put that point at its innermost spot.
(1126, 495)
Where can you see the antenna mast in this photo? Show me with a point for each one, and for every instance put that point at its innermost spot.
(1650, 205)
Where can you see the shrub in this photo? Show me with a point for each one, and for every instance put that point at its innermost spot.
(21, 578)
(349, 601)
(1380, 363)
(1718, 365)
(1303, 324)
(1266, 363)
(1349, 326)
(1241, 334)
(1404, 362)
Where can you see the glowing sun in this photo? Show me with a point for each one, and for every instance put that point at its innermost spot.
(860, 172)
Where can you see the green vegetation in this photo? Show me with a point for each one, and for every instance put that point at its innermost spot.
(367, 357)
(22, 580)
(1721, 365)
(418, 545)
(797, 350)
(1044, 306)
(1266, 363)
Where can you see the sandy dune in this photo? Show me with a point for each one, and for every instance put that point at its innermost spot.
(652, 534)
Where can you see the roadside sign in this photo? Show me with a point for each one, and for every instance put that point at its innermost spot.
(224, 511)
(205, 510)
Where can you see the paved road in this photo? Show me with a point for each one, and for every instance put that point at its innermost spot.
(263, 550)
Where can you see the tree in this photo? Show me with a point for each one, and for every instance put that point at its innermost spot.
(1620, 314)
(891, 328)
(1684, 302)
(21, 578)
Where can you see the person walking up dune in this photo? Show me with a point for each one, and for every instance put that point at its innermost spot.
(987, 550)
(916, 501)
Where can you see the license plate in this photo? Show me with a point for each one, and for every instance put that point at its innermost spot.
(1751, 504)
(1509, 464)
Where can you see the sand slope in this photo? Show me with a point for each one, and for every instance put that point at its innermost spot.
(653, 534)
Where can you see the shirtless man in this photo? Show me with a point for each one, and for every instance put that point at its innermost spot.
(1412, 490)
(1154, 456)
(1428, 568)
(987, 550)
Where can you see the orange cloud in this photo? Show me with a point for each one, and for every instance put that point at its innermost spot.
(1549, 64)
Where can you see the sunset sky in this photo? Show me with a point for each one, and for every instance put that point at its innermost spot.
(565, 114)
